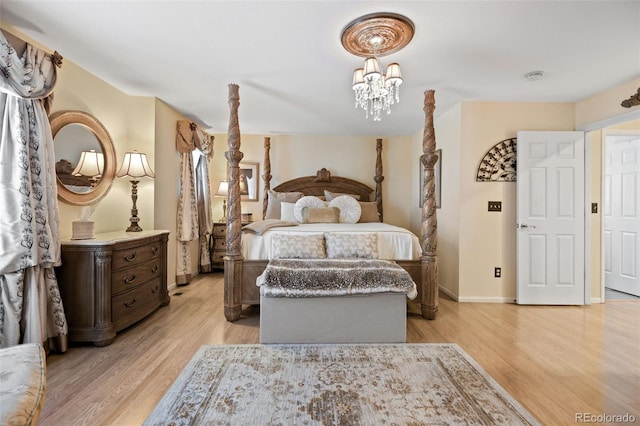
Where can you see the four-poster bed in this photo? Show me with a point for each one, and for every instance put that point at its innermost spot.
(241, 273)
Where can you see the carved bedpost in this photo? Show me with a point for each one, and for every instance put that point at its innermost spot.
(266, 177)
(429, 239)
(379, 178)
(233, 258)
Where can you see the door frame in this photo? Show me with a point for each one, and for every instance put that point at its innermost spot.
(606, 133)
(588, 170)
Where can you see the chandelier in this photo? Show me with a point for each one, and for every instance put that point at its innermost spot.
(372, 36)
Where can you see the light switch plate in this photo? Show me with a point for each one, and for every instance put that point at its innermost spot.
(495, 206)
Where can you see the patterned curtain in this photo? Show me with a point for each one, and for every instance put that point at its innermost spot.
(31, 309)
(194, 202)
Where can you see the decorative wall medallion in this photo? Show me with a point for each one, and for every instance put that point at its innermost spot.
(499, 163)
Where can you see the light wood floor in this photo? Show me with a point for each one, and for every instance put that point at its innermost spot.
(556, 361)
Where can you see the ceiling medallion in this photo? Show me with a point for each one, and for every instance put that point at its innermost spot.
(377, 34)
(371, 36)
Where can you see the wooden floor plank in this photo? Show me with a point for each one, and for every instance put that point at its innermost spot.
(556, 361)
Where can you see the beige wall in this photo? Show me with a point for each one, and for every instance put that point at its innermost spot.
(606, 105)
(130, 122)
(472, 241)
(488, 239)
(353, 157)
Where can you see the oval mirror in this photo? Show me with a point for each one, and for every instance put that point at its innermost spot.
(85, 157)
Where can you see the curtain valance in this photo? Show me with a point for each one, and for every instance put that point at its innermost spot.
(31, 309)
(194, 202)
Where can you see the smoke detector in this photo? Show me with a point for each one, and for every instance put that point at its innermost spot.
(534, 75)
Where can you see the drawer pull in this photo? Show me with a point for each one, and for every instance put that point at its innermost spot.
(129, 280)
(154, 250)
(130, 257)
(133, 302)
(154, 269)
(155, 289)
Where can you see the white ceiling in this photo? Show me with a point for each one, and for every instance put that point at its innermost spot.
(294, 75)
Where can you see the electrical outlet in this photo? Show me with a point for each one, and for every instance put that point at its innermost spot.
(495, 206)
(497, 272)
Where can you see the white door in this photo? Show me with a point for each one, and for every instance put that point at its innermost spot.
(622, 220)
(550, 218)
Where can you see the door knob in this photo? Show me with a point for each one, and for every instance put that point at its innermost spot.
(524, 226)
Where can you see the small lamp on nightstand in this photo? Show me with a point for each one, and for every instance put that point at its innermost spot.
(223, 191)
(135, 165)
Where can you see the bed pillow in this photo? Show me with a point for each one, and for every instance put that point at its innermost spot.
(275, 198)
(284, 246)
(286, 211)
(308, 201)
(320, 215)
(328, 195)
(341, 245)
(369, 212)
(350, 209)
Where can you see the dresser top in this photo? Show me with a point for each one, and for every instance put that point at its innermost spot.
(108, 238)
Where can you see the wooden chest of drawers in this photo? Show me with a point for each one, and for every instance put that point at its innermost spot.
(111, 282)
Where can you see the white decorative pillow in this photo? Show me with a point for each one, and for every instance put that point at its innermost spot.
(350, 209)
(286, 211)
(341, 245)
(285, 246)
(308, 201)
(328, 195)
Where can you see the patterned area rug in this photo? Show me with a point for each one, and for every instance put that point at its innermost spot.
(356, 384)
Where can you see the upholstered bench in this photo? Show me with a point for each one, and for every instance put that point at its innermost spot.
(334, 301)
(22, 384)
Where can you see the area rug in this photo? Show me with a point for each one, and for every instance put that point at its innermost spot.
(346, 384)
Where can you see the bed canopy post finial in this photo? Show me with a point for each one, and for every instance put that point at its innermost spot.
(233, 258)
(429, 228)
(266, 177)
(379, 178)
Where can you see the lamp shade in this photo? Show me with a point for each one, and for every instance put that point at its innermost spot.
(393, 73)
(223, 189)
(91, 164)
(135, 164)
(358, 78)
(371, 68)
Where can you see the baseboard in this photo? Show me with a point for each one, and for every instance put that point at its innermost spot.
(486, 300)
(472, 299)
(596, 300)
(448, 293)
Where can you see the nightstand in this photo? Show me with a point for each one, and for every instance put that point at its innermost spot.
(219, 244)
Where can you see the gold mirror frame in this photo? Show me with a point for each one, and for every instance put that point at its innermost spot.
(62, 118)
